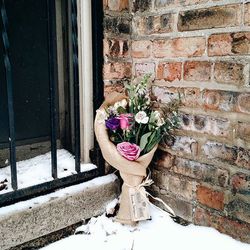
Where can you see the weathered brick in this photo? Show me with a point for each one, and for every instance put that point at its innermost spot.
(243, 158)
(117, 5)
(240, 183)
(226, 72)
(115, 48)
(247, 14)
(191, 97)
(161, 178)
(116, 70)
(179, 47)
(169, 71)
(200, 171)
(113, 87)
(181, 208)
(176, 3)
(233, 155)
(210, 198)
(141, 49)
(117, 25)
(144, 68)
(229, 44)
(181, 187)
(197, 71)
(243, 103)
(243, 131)
(239, 209)
(219, 100)
(141, 5)
(163, 159)
(236, 229)
(207, 18)
(147, 25)
(184, 144)
(214, 150)
(206, 124)
(105, 4)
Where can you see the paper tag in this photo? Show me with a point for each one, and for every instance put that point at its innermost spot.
(138, 204)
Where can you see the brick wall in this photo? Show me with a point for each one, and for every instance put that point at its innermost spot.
(200, 48)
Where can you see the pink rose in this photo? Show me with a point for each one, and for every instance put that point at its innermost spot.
(129, 150)
(125, 120)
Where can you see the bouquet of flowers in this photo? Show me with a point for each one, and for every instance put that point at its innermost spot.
(135, 125)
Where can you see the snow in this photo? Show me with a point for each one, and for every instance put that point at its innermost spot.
(24, 205)
(38, 169)
(159, 233)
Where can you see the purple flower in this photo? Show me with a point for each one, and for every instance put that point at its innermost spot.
(113, 123)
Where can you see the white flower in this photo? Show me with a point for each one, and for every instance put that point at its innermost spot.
(123, 103)
(159, 120)
(141, 117)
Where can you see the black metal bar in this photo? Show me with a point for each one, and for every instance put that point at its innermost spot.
(46, 187)
(98, 89)
(53, 83)
(12, 139)
(76, 83)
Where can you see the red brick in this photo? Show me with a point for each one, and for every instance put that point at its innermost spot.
(179, 47)
(116, 70)
(141, 49)
(240, 183)
(144, 68)
(115, 48)
(210, 198)
(117, 5)
(243, 104)
(197, 71)
(243, 131)
(207, 18)
(114, 87)
(226, 72)
(247, 14)
(234, 228)
(148, 25)
(229, 44)
(169, 71)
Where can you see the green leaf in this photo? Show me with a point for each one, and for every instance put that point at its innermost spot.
(121, 110)
(144, 140)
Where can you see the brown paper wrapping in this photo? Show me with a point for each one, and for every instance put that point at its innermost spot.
(132, 172)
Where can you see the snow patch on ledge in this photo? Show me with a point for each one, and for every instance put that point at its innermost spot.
(38, 170)
(34, 202)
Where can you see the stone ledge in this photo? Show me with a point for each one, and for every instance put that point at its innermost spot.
(28, 220)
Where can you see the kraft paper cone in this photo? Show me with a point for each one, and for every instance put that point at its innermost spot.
(132, 172)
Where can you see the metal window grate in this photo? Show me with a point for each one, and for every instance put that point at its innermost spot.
(24, 193)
